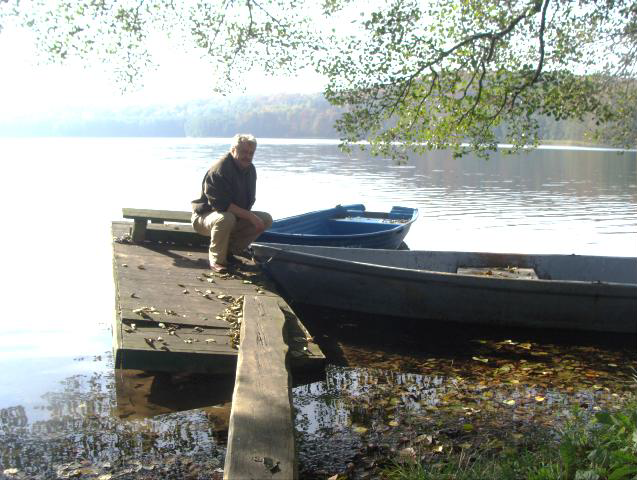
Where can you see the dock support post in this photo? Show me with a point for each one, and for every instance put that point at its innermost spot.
(139, 230)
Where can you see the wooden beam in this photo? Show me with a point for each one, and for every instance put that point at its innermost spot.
(261, 433)
(156, 216)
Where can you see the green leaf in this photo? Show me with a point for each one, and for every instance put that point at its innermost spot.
(623, 472)
(586, 475)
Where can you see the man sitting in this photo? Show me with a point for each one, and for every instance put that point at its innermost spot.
(228, 191)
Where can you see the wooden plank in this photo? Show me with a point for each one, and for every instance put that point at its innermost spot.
(157, 215)
(261, 433)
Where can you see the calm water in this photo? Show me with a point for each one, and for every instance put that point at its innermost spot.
(59, 196)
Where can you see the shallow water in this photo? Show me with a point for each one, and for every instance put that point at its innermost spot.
(61, 402)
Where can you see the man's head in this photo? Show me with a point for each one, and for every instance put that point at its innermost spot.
(243, 148)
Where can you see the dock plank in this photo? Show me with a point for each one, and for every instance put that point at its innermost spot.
(261, 431)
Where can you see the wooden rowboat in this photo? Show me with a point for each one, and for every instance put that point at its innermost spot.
(344, 226)
(543, 291)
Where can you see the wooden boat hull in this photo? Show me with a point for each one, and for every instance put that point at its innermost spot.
(344, 226)
(317, 276)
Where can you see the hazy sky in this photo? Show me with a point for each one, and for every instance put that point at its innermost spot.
(28, 88)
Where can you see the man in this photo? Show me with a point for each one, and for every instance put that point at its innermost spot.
(223, 209)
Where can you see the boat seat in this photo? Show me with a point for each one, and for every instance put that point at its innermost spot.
(354, 225)
(500, 272)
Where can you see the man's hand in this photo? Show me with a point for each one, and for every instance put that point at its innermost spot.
(257, 222)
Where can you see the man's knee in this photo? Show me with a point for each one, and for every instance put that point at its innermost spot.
(225, 221)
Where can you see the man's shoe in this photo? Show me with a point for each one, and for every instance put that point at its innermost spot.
(233, 260)
(217, 267)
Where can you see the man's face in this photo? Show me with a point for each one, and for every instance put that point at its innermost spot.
(243, 154)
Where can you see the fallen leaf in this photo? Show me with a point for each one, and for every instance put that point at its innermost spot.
(539, 398)
(393, 423)
(509, 402)
(425, 439)
(407, 453)
(478, 359)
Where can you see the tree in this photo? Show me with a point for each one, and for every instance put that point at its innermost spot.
(410, 74)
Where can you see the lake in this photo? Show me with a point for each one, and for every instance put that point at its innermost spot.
(58, 289)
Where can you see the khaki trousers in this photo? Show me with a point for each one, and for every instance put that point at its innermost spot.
(227, 233)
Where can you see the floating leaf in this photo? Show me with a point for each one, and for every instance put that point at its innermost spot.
(467, 427)
(393, 423)
(539, 398)
(509, 402)
(526, 346)
(359, 429)
(438, 449)
(478, 359)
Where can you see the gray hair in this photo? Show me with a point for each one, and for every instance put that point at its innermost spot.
(243, 138)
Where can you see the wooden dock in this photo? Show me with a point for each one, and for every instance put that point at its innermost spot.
(173, 314)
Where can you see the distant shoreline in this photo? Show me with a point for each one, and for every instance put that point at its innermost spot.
(544, 145)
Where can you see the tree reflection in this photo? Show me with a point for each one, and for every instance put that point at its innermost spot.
(125, 422)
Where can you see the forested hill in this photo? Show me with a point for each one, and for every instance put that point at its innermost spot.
(282, 116)
(276, 116)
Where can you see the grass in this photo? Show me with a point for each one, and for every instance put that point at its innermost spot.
(601, 447)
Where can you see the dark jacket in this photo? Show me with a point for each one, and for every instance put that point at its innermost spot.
(226, 183)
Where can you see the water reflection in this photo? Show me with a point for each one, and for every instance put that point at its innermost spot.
(481, 390)
(123, 423)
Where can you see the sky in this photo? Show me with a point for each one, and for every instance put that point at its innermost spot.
(29, 86)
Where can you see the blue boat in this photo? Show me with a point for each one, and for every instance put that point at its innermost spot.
(343, 226)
